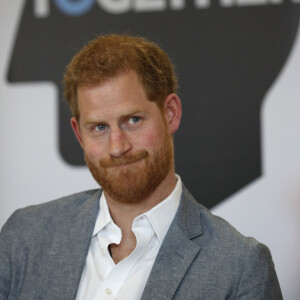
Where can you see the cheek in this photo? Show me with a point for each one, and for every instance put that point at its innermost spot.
(152, 140)
(93, 151)
(152, 137)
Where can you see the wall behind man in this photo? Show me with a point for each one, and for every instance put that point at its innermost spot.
(237, 149)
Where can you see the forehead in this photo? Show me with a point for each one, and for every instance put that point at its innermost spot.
(119, 94)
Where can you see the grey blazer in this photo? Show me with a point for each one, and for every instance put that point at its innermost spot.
(43, 251)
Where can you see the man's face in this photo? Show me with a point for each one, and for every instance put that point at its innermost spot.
(125, 137)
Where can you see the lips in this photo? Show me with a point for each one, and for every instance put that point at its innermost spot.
(123, 160)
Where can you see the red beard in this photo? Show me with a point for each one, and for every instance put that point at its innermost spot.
(131, 178)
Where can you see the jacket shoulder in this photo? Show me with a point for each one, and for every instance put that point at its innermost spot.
(218, 239)
(213, 229)
(221, 235)
(240, 266)
(36, 235)
(55, 212)
(247, 259)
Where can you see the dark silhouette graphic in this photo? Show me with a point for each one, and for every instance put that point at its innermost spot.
(226, 59)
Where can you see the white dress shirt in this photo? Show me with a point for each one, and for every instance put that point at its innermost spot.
(101, 277)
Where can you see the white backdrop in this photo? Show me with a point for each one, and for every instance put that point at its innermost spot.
(32, 171)
(269, 208)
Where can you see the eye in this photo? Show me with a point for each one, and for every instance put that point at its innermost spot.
(134, 120)
(100, 127)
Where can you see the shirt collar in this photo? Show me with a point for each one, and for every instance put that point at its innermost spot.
(160, 216)
(103, 217)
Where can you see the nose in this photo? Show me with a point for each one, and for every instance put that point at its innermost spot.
(119, 143)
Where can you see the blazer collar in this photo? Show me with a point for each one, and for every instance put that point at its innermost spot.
(188, 217)
(177, 250)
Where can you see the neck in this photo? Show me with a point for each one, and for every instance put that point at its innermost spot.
(123, 214)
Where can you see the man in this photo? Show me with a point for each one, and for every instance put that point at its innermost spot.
(142, 236)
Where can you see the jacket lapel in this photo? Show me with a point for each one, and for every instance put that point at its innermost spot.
(68, 252)
(177, 251)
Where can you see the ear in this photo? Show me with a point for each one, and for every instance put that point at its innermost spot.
(76, 129)
(173, 112)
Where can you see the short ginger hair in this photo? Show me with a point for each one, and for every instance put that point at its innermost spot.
(111, 55)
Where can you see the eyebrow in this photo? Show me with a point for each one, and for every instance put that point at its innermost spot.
(130, 113)
(122, 117)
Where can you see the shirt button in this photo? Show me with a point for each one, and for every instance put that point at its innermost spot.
(102, 251)
(108, 291)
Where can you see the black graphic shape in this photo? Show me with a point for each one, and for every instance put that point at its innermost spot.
(226, 58)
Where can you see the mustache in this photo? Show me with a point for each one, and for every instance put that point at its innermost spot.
(109, 162)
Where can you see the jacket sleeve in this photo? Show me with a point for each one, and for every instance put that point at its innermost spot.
(7, 235)
(259, 279)
(5, 263)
